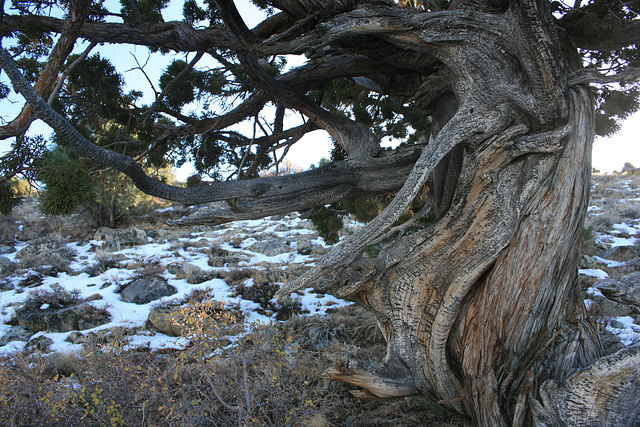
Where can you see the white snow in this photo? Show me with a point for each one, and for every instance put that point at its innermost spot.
(136, 315)
(600, 274)
(609, 263)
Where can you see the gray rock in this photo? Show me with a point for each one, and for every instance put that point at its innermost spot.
(586, 262)
(610, 342)
(625, 290)
(16, 333)
(616, 324)
(619, 253)
(146, 289)
(114, 240)
(6, 266)
(6, 285)
(609, 308)
(163, 320)
(40, 343)
(46, 251)
(78, 317)
(94, 297)
(76, 337)
(44, 246)
(270, 247)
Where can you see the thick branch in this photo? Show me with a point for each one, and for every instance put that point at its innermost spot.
(355, 138)
(269, 188)
(463, 127)
(49, 74)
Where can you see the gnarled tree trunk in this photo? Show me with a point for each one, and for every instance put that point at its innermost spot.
(482, 310)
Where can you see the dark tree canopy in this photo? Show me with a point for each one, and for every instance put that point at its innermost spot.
(492, 104)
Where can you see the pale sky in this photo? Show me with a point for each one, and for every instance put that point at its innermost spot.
(612, 153)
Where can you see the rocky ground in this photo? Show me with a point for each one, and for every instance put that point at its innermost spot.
(57, 288)
(147, 287)
(59, 292)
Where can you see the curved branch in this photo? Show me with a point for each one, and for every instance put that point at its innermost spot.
(46, 82)
(356, 139)
(606, 391)
(590, 76)
(463, 127)
(264, 191)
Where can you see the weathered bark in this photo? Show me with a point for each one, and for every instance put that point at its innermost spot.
(482, 310)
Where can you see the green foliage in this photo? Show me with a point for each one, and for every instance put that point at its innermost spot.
(613, 107)
(192, 12)
(96, 82)
(364, 208)
(139, 11)
(9, 197)
(328, 223)
(30, 68)
(67, 183)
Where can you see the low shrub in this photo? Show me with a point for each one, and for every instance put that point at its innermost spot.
(268, 376)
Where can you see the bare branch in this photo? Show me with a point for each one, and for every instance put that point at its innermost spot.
(171, 84)
(68, 70)
(590, 76)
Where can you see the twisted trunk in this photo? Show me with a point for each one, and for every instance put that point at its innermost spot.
(482, 310)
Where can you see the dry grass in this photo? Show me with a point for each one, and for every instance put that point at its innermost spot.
(271, 376)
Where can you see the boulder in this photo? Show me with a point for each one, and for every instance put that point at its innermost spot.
(40, 343)
(270, 247)
(586, 262)
(6, 266)
(619, 253)
(6, 285)
(163, 320)
(609, 308)
(114, 240)
(44, 246)
(47, 255)
(16, 333)
(146, 289)
(78, 317)
(625, 290)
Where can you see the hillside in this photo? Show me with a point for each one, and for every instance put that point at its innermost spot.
(190, 309)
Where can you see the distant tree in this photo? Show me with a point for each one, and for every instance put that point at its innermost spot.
(495, 104)
(628, 167)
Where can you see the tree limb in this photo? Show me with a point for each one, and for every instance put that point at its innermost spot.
(71, 27)
(585, 76)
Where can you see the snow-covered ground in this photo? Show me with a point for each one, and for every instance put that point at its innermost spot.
(245, 240)
(163, 252)
(613, 218)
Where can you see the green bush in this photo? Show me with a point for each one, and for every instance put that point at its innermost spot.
(67, 183)
(9, 197)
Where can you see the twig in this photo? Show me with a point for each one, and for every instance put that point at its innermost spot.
(171, 84)
(67, 71)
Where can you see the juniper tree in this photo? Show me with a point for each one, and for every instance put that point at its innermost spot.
(495, 103)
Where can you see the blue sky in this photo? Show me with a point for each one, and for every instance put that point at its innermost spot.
(609, 154)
